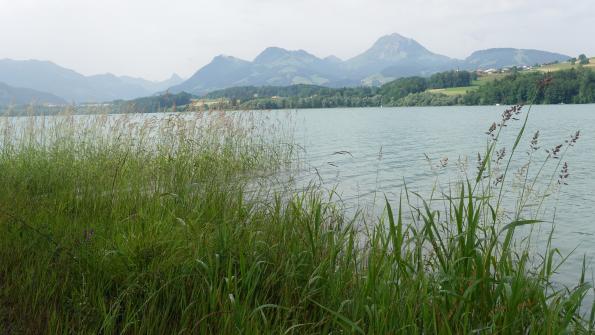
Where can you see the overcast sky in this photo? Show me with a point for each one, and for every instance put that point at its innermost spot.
(154, 38)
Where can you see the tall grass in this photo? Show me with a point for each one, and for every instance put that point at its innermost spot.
(112, 225)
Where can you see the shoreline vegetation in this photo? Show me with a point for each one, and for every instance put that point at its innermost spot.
(113, 225)
(569, 84)
(442, 89)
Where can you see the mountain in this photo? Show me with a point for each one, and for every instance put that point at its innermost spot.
(274, 66)
(72, 86)
(390, 57)
(397, 56)
(20, 96)
(154, 86)
(508, 57)
(221, 72)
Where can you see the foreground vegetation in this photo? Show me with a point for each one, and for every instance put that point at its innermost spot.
(122, 225)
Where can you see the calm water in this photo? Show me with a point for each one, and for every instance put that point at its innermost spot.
(388, 146)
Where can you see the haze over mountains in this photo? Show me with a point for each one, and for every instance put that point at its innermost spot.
(391, 57)
(20, 96)
(71, 86)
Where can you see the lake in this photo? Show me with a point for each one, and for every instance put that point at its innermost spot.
(366, 153)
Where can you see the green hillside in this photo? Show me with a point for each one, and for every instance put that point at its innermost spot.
(485, 78)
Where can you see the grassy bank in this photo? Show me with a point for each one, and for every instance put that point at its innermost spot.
(116, 225)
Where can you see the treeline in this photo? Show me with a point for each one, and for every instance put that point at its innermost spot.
(316, 101)
(428, 99)
(312, 96)
(576, 86)
(394, 91)
(296, 96)
(451, 79)
(244, 93)
(569, 86)
(153, 104)
(305, 96)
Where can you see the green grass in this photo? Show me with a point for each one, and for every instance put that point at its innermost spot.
(173, 227)
(454, 90)
(486, 78)
(475, 84)
(564, 66)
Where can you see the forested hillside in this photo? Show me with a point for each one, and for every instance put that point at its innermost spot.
(576, 85)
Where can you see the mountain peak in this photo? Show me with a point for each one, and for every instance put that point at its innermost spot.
(333, 59)
(396, 45)
(175, 77)
(393, 38)
(396, 56)
(275, 54)
(272, 54)
(391, 56)
(274, 50)
(223, 57)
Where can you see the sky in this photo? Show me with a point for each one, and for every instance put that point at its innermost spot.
(155, 38)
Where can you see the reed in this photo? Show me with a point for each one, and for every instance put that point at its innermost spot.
(134, 225)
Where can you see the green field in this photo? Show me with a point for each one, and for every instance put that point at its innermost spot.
(486, 78)
(454, 90)
(564, 66)
(475, 84)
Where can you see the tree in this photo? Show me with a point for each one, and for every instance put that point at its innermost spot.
(583, 60)
(451, 79)
(572, 60)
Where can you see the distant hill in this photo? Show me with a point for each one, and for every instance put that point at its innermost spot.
(390, 57)
(397, 56)
(508, 57)
(274, 66)
(74, 87)
(221, 72)
(153, 86)
(20, 96)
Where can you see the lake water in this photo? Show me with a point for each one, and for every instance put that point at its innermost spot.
(366, 153)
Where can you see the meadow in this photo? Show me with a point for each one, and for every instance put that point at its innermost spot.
(119, 225)
(452, 91)
(490, 77)
(565, 66)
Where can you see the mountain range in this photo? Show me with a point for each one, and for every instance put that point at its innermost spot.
(391, 57)
(52, 79)
(21, 96)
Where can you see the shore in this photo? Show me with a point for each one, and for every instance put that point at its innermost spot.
(77, 255)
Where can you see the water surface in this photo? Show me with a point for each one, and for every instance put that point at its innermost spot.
(366, 153)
